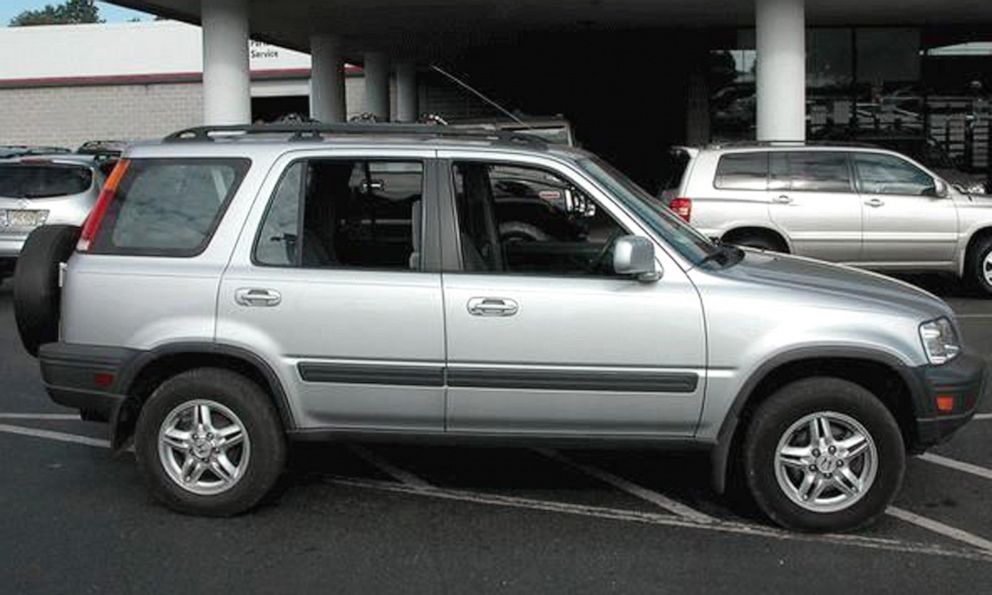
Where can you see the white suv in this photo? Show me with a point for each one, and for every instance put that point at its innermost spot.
(858, 205)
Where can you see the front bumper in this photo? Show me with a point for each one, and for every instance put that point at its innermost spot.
(961, 382)
(86, 377)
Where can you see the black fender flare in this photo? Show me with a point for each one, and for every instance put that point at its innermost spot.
(720, 453)
(123, 419)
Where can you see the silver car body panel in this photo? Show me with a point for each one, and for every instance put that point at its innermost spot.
(884, 232)
(399, 351)
(69, 209)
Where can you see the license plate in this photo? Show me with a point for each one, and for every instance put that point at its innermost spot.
(22, 219)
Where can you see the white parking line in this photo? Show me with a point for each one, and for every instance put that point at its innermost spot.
(630, 487)
(42, 416)
(940, 528)
(957, 465)
(57, 436)
(664, 519)
(401, 475)
(411, 484)
(983, 416)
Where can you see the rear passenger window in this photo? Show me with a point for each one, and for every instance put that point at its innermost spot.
(168, 207)
(341, 213)
(742, 171)
(810, 171)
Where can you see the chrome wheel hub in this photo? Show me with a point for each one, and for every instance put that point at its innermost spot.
(987, 268)
(204, 447)
(826, 461)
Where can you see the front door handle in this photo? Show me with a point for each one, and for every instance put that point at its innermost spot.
(483, 306)
(782, 200)
(258, 298)
(875, 202)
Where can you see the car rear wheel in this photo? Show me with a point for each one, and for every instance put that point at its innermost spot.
(759, 241)
(823, 454)
(36, 283)
(979, 266)
(209, 442)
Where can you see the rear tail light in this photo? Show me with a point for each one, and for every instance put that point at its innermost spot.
(682, 207)
(92, 224)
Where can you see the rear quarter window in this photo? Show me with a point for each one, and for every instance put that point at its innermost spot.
(169, 207)
(742, 171)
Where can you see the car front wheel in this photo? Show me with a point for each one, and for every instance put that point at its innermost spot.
(823, 454)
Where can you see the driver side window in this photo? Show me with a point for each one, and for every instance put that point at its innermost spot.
(520, 219)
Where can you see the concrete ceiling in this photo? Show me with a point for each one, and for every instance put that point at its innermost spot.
(423, 27)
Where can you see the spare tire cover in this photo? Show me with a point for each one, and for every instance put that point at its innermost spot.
(36, 283)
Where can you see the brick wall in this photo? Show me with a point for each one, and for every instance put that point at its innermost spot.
(67, 116)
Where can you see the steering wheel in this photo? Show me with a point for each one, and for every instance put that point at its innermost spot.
(598, 261)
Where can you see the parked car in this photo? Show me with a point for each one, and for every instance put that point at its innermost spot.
(233, 291)
(11, 151)
(858, 205)
(924, 149)
(40, 189)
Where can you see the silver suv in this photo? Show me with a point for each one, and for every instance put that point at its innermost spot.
(859, 205)
(238, 288)
(36, 189)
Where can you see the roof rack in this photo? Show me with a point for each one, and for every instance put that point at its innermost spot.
(789, 143)
(316, 131)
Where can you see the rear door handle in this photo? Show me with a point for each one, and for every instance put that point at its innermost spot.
(483, 306)
(875, 202)
(259, 298)
(782, 200)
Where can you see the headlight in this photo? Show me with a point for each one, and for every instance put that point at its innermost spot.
(940, 341)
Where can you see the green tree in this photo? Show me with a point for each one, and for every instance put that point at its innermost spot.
(70, 12)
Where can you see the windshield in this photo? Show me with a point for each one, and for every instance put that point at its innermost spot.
(692, 245)
(20, 180)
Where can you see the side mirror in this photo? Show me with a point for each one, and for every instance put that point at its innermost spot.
(940, 188)
(634, 256)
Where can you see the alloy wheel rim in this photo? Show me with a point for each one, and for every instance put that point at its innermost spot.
(204, 447)
(987, 268)
(826, 462)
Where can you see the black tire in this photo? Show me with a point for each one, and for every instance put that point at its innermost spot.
(975, 266)
(36, 283)
(757, 240)
(253, 407)
(790, 404)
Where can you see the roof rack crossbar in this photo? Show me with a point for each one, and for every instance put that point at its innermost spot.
(310, 131)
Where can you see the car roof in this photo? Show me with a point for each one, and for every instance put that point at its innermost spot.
(269, 138)
(53, 158)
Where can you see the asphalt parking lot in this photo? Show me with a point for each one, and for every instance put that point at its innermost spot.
(375, 518)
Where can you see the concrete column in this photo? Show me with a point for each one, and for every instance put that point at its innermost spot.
(781, 76)
(226, 77)
(326, 79)
(407, 97)
(377, 85)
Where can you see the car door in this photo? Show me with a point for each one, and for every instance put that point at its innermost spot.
(543, 339)
(335, 286)
(812, 197)
(905, 222)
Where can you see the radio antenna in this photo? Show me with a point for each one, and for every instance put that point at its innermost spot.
(478, 94)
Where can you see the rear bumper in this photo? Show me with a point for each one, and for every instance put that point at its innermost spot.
(86, 377)
(10, 246)
(963, 381)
